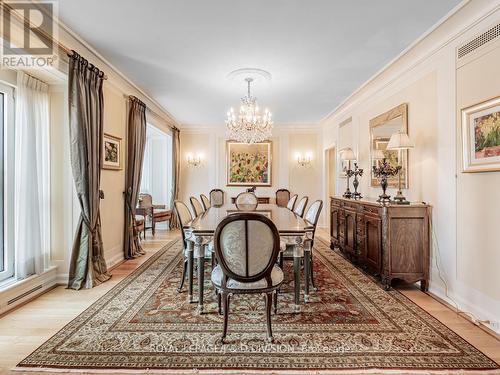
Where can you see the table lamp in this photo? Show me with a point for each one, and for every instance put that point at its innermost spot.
(348, 155)
(400, 141)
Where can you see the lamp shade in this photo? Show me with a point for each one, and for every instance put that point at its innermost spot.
(347, 154)
(378, 154)
(399, 141)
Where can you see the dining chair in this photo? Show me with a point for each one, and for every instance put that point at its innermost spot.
(205, 201)
(156, 212)
(216, 197)
(184, 216)
(246, 201)
(301, 206)
(197, 207)
(291, 203)
(288, 250)
(246, 248)
(282, 197)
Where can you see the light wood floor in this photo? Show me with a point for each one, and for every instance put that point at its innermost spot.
(24, 329)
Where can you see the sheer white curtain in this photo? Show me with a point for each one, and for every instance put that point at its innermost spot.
(31, 196)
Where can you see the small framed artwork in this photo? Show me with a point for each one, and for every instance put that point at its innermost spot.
(249, 164)
(112, 152)
(481, 137)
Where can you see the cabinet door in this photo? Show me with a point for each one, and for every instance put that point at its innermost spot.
(373, 243)
(334, 223)
(350, 231)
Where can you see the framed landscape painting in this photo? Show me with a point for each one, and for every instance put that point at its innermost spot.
(481, 137)
(249, 164)
(112, 152)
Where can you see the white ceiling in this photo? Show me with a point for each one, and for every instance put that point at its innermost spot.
(318, 52)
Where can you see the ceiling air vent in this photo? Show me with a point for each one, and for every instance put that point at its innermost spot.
(479, 41)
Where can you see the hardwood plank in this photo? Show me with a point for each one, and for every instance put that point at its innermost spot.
(24, 329)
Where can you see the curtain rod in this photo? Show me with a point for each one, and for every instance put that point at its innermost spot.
(69, 53)
(173, 127)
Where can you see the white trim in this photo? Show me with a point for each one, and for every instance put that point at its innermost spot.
(46, 280)
(157, 106)
(460, 30)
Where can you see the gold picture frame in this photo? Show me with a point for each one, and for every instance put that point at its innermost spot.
(111, 152)
(481, 137)
(249, 164)
(381, 129)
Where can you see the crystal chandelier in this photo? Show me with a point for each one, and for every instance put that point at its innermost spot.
(249, 125)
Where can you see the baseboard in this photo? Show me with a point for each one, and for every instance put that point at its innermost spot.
(26, 290)
(483, 326)
(114, 257)
(454, 301)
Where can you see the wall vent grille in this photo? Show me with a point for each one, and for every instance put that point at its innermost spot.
(479, 41)
(10, 302)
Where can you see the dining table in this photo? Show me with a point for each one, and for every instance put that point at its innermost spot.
(294, 231)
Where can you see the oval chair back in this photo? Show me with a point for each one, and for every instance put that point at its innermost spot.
(205, 201)
(246, 201)
(313, 212)
(291, 203)
(247, 246)
(282, 197)
(216, 197)
(197, 207)
(301, 206)
(183, 216)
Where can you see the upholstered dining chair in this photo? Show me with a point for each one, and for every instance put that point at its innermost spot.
(216, 197)
(301, 206)
(288, 251)
(205, 201)
(184, 217)
(139, 225)
(197, 207)
(156, 212)
(246, 248)
(246, 201)
(282, 197)
(291, 203)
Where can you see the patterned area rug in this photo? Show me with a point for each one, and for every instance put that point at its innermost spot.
(350, 323)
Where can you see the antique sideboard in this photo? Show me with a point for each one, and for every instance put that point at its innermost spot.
(389, 240)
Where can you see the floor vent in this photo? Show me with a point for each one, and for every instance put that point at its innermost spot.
(10, 302)
(479, 41)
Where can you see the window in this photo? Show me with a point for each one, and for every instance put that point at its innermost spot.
(157, 166)
(7, 252)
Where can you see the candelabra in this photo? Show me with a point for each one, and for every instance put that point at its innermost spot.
(381, 172)
(348, 155)
(357, 172)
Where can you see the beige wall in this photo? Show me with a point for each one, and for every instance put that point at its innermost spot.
(286, 141)
(465, 247)
(478, 193)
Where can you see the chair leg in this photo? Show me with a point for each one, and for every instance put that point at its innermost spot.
(276, 301)
(269, 303)
(183, 278)
(219, 302)
(311, 266)
(153, 224)
(226, 298)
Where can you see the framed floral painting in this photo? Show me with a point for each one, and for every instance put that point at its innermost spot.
(249, 164)
(481, 136)
(112, 152)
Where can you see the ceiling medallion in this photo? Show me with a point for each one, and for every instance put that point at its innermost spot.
(249, 125)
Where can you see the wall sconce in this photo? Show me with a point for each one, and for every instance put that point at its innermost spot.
(194, 161)
(304, 160)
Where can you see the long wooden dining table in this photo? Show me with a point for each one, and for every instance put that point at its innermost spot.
(294, 231)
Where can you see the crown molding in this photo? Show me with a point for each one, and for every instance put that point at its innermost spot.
(461, 27)
(114, 72)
